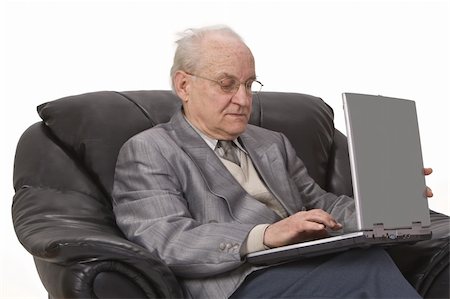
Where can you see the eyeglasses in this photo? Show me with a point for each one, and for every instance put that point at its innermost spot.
(231, 84)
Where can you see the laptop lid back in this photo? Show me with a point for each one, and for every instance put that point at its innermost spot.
(386, 162)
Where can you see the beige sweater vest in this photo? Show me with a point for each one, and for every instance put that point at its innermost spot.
(249, 179)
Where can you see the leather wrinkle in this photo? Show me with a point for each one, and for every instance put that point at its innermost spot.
(71, 153)
(139, 106)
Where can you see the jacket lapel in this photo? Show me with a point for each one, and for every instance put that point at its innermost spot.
(217, 177)
(271, 166)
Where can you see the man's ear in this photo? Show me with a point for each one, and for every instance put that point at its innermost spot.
(182, 85)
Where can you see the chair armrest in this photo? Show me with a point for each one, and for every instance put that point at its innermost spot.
(99, 279)
(71, 251)
(424, 262)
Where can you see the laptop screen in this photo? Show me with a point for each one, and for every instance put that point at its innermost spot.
(386, 161)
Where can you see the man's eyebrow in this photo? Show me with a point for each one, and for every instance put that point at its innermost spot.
(225, 75)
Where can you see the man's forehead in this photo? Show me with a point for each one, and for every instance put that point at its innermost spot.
(226, 67)
(223, 46)
(221, 53)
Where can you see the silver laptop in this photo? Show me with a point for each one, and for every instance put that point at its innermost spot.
(388, 181)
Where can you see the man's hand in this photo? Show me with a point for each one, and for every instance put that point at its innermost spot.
(428, 171)
(302, 226)
(307, 225)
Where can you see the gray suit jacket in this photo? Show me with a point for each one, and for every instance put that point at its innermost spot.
(174, 196)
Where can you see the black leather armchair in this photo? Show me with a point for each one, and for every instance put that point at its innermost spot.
(63, 176)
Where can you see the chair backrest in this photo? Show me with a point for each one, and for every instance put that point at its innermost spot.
(94, 126)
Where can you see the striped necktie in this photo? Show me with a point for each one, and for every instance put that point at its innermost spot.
(229, 151)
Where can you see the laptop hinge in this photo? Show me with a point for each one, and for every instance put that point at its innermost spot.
(380, 232)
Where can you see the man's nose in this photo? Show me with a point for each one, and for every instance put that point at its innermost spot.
(242, 97)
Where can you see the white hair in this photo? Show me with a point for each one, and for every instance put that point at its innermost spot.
(188, 53)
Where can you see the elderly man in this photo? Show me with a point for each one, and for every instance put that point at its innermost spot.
(206, 188)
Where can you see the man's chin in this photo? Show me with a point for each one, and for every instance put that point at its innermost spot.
(233, 134)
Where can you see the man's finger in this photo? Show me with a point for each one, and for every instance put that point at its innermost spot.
(429, 192)
(322, 217)
(427, 171)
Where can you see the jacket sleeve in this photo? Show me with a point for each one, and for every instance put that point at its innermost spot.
(151, 210)
(342, 207)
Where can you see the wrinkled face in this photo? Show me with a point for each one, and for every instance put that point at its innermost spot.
(217, 113)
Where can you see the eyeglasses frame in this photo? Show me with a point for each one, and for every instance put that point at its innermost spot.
(234, 90)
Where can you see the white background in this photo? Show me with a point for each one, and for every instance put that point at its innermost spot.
(52, 49)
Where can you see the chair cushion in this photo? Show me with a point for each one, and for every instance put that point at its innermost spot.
(93, 126)
(306, 121)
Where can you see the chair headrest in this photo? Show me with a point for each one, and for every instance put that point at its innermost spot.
(94, 126)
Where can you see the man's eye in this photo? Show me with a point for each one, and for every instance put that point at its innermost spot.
(248, 84)
(227, 82)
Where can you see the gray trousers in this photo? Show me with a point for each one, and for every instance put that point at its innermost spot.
(358, 273)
